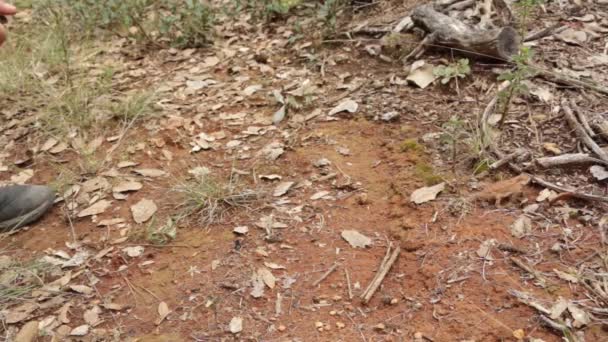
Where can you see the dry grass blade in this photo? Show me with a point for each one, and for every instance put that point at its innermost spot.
(17, 280)
(209, 199)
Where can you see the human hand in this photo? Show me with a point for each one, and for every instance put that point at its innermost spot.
(5, 9)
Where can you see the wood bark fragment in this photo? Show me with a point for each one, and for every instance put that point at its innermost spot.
(501, 43)
(385, 266)
(581, 133)
(568, 159)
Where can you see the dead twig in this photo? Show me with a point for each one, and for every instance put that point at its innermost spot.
(350, 288)
(326, 274)
(555, 28)
(581, 133)
(507, 159)
(542, 280)
(381, 274)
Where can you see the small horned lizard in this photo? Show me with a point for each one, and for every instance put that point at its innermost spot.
(509, 189)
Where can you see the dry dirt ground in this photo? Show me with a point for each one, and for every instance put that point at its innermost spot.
(350, 171)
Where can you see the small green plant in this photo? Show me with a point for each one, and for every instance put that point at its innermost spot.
(328, 14)
(161, 23)
(454, 132)
(410, 144)
(426, 172)
(520, 73)
(525, 8)
(266, 10)
(187, 24)
(453, 71)
(163, 234)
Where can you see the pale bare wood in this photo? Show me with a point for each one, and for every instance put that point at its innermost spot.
(500, 43)
(380, 275)
(568, 159)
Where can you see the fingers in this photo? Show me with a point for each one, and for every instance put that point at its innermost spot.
(6, 9)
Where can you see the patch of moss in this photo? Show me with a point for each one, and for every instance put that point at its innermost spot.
(410, 145)
(426, 173)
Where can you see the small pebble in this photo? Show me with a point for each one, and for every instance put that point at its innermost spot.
(281, 328)
(340, 325)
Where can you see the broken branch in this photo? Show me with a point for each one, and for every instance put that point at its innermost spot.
(380, 275)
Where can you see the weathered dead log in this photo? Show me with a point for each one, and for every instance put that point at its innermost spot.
(568, 159)
(501, 43)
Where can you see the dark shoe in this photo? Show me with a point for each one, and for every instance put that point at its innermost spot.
(23, 204)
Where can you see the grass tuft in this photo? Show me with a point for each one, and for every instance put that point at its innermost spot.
(209, 199)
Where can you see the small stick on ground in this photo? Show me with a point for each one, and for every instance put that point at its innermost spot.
(380, 275)
(358, 328)
(542, 280)
(545, 32)
(350, 288)
(581, 133)
(325, 275)
(583, 120)
(529, 301)
(507, 159)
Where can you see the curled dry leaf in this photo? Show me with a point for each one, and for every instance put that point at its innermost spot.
(421, 74)
(236, 325)
(95, 209)
(80, 330)
(143, 210)
(134, 251)
(426, 194)
(163, 312)
(282, 188)
(599, 172)
(81, 289)
(126, 186)
(241, 230)
(356, 239)
(152, 173)
(28, 333)
(521, 227)
(347, 105)
(267, 277)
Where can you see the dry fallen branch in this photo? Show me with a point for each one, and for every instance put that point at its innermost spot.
(385, 266)
(507, 159)
(483, 127)
(581, 133)
(556, 28)
(568, 159)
